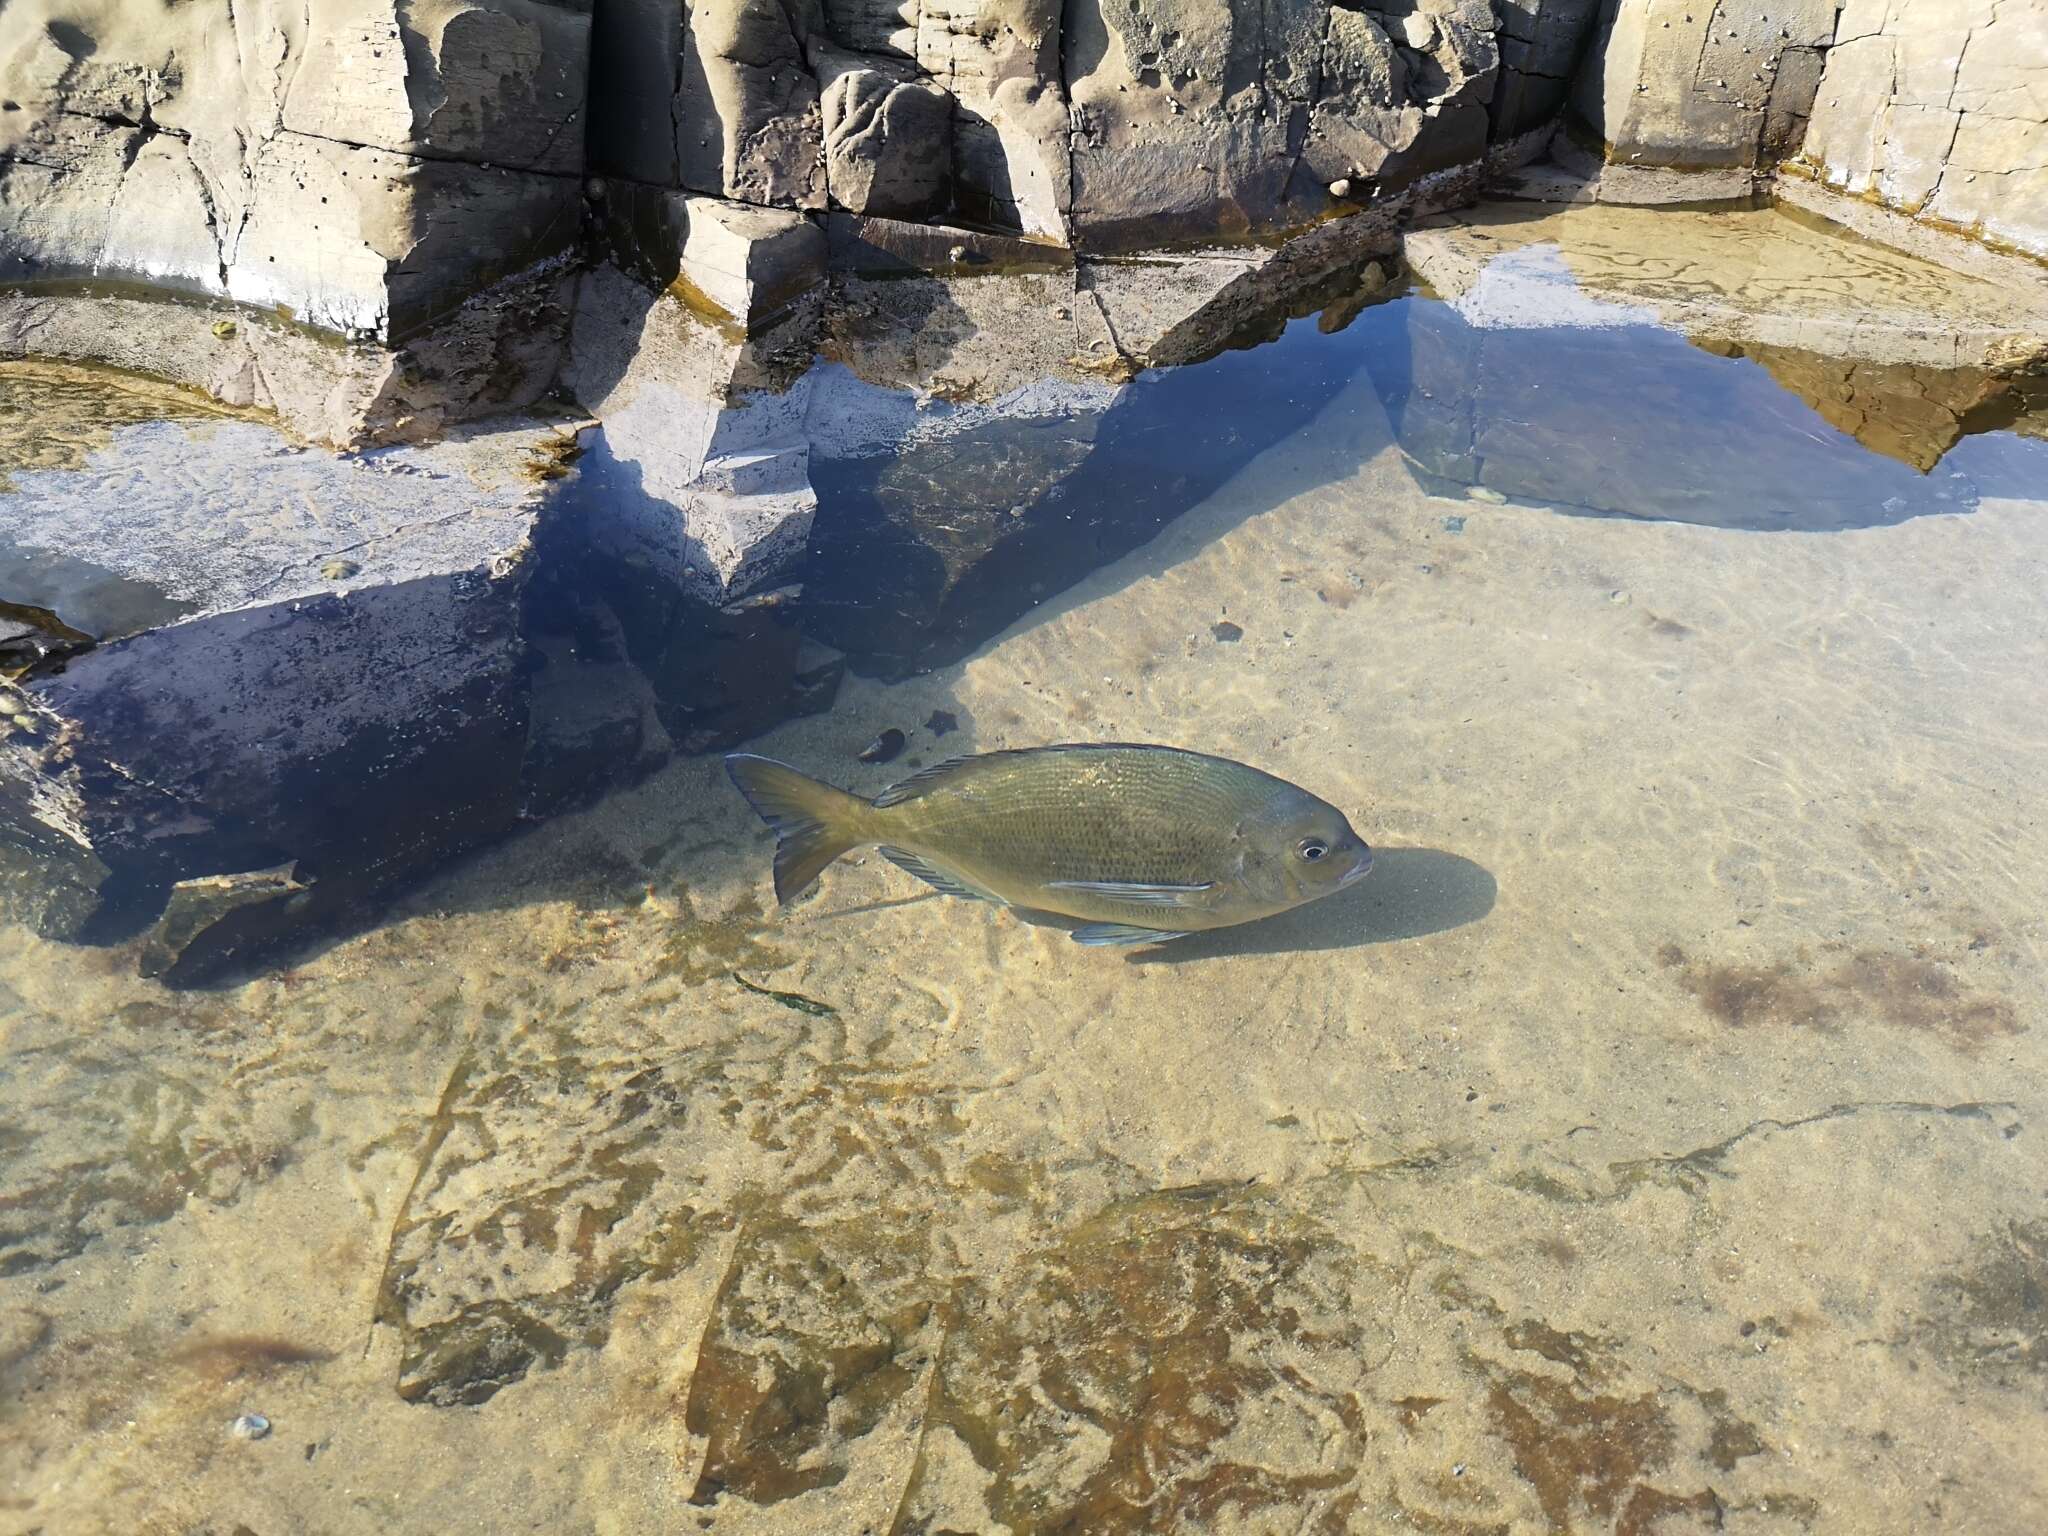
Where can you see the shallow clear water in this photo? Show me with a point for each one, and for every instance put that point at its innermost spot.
(1652, 1142)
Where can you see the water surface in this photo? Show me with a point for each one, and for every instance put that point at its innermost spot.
(1652, 1142)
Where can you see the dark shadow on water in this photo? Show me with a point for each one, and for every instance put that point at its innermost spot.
(1411, 893)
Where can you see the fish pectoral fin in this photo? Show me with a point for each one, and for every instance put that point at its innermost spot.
(1145, 895)
(938, 879)
(1121, 933)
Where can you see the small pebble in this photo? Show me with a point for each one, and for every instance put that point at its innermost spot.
(1227, 632)
(1485, 493)
(1341, 187)
(885, 748)
(250, 1426)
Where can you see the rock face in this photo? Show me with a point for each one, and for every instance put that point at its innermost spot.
(1701, 86)
(364, 169)
(367, 175)
(1541, 43)
(1936, 110)
(888, 142)
(1199, 119)
(1930, 109)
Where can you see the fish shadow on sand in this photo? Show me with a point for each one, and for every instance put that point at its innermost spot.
(1410, 893)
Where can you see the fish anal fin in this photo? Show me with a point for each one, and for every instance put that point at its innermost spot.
(1121, 933)
(1138, 892)
(938, 879)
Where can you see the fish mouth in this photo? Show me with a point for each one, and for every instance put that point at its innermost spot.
(1358, 871)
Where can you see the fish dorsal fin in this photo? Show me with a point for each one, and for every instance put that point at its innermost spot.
(919, 782)
(1138, 892)
(938, 879)
(1122, 933)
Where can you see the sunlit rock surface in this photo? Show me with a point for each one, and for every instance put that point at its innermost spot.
(1935, 110)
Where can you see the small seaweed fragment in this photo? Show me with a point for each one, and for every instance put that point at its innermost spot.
(796, 1000)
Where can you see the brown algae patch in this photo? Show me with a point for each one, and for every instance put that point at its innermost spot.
(1990, 1317)
(1101, 1385)
(1584, 1452)
(1910, 992)
(57, 415)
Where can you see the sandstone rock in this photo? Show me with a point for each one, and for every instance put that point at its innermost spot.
(1197, 122)
(1702, 85)
(500, 350)
(1389, 112)
(636, 50)
(207, 920)
(747, 124)
(1004, 62)
(1571, 173)
(888, 143)
(736, 263)
(1929, 111)
(1752, 277)
(876, 247)
(400, 242)
(271, 688)
(493, 82)
(1541, 42)
(365, 166)
(1189, 117)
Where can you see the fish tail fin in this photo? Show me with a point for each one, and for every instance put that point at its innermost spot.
(813, 823)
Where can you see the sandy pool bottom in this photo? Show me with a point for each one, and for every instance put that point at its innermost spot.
(1652, 1144)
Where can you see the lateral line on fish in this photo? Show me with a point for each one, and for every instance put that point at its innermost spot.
(1134, 891)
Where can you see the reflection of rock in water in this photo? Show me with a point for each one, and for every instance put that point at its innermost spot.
(925, 550)
(241, 659)
(1580, 416)
(1904, 411)
(292, 683)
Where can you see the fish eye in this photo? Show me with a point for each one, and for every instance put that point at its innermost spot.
(1312, 848)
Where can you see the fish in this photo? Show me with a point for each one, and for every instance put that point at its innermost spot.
(1140, 844)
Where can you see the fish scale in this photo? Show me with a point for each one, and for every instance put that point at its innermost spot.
(1105, 813)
